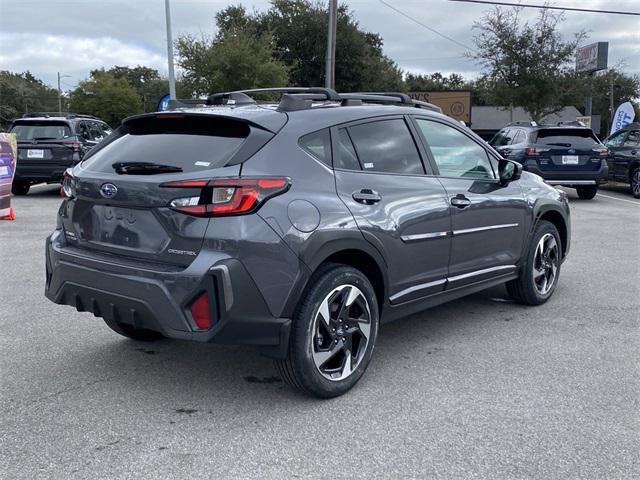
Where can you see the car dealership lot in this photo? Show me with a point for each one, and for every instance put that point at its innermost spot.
(477, 388)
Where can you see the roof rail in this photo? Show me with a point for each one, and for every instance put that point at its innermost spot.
(574, 123)
(390, 98)
(528, 123)
(325, 93)
(58, 114)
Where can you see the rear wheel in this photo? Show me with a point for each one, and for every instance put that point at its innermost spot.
(587, 193)
(140, 334)
(634, 182)
(20, 188)
(539, 273)
(333, 334)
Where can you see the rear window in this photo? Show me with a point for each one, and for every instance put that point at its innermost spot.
(45, 130)
(191, 143)
(566, 137)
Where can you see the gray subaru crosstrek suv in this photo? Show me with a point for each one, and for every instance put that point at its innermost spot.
(297, 227)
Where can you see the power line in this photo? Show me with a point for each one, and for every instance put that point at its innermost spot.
(433, 30)
(548, 7)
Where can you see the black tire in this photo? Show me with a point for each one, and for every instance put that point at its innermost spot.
(141, 335)
(20, 188)
(299, 368)
(634, 182)
(587, 193)
(525, 289)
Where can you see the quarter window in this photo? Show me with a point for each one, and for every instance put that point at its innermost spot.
(386, 146)
(455, 154)
(346, 156)
(318, 144)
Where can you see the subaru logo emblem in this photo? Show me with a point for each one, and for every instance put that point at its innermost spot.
(108, 190)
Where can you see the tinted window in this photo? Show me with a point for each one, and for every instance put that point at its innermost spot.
(346, 156)
(633, 140)
(191, 143)
(455, 154)
(519, 138)
(500, 139)
(318, 144)
(83, 130)
(41, 130)
(617, 139)
(96, 132)
(567, 137)
(386, 146)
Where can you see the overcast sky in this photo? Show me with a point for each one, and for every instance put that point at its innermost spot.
(75, 36)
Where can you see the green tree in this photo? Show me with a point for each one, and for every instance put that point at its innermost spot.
(23, 93)
(105, 96)
(146, 81)
(614, 82)
(527, 65)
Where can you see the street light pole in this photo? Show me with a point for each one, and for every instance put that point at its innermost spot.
(60, 91)
(172, 78)
(330, 68)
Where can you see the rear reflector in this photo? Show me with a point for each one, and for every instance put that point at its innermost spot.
(227, 196)
(200, 311)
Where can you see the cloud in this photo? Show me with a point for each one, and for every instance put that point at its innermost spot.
(75, 36)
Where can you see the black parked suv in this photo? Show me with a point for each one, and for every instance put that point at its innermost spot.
(624, 162)
(567, 154)
(49, 143)
(297, 227)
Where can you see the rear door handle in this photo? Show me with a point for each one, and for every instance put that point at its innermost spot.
(366, 196)
(460, 201)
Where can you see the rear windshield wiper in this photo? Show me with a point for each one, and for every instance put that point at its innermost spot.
(143, 168)
(560, 144)
(44, 138)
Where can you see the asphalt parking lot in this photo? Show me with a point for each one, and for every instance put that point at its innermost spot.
(480, 388)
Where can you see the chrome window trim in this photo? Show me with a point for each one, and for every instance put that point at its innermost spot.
(423, 236)
(483, 229)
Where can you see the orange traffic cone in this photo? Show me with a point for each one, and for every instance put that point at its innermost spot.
(10, 216)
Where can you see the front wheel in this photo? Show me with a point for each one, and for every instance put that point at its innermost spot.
(587, 193)
(333, 334)
(634, 182)
(541, 269)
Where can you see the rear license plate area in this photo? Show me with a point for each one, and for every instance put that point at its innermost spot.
(570, 160)
(35, 153)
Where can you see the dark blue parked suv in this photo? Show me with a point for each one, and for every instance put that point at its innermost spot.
(565, 154)
(297, 227)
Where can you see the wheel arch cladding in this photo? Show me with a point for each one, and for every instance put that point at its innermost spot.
(557, 220)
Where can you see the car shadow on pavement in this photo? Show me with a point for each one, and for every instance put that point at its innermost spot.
(197, 376)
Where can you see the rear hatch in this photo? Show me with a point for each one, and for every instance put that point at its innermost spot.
(120, 205)
(44, 147)
(567, 149)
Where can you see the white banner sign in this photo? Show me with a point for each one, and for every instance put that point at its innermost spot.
(623, 117)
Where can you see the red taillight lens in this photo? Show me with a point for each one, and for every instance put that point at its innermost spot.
(227, 196)
(74, 144)
(603, 152)
(200, 311)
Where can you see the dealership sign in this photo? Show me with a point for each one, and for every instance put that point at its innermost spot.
(455, 103)
(592, 58)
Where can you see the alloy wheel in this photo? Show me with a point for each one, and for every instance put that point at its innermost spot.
(545, 264)
(341, 332)
(635, 183)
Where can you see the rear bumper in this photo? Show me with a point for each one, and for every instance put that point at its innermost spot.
(159, 300)
(571, 178)
(42, 172)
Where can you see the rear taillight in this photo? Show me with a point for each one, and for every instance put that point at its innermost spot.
(602, 151)
(201, 312)
(227, 196)
(74, 144)
(534, 151)
(68, 189)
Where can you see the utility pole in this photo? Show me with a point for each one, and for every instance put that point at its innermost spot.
(172, 78)
(330, 68)
(60, 91)
(611, 105)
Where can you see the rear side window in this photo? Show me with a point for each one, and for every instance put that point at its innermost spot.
(519, 138)
(633, 140)
(567, 137)
(386, 146)
(318, 144)
(500, 139)
(47, 130)
(190, 142)
(346, 157)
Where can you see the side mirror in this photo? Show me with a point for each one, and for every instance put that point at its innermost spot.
(509, 171)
